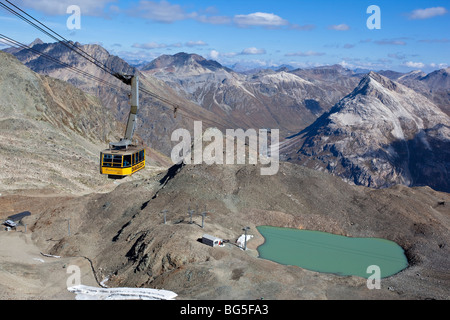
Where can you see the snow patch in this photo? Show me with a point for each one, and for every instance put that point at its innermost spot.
(94, 293)
(50, 255)
(239, 85)
(285, 77)
(347, 119)
(103, 283)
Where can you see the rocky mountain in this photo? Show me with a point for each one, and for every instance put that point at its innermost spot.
(437, 80)
(280, 99)
(336, 81)
(381, 134)
(435, 85)
(249, 68)
(184, 64)
(155, 121)
(437, 88)
(51, 133)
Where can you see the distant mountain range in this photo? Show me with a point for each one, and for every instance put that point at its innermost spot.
(375, 129)
(155, 117)
(266, 99)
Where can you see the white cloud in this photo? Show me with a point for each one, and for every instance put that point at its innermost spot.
(4, 43)
(191, 44)
(162, 11)
(229, 54)
(213, 19)
(306, 27)
(398, 56)
(346, 65)
(253, 51)
(142, 55)
(339, 27)
(260, 19)
(59, 7)
(165, 12)
(214, 55)
(154, 45)
(443, 40)
(420, 14)
(304, 54)
(421, 65)
(415, 65)
(394, 42)
(351, 63)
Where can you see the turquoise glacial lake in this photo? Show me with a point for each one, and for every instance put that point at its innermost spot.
(329, 253)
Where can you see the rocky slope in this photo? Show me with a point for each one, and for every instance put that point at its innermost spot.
(124, 236)
(51, 133)
(266, 99)
(156, 120)
(435, 85)
(381, 134)
(437, 88)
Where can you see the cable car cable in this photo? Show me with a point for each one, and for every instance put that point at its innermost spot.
(65, 42)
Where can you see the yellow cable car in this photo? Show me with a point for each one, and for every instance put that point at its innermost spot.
(123, 158)
(118, 164)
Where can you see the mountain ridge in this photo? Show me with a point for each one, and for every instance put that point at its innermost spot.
(287, 100)
(378, 136)
(155, 116)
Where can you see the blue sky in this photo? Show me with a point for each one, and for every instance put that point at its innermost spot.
(414, 34)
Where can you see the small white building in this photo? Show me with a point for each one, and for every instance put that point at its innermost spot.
(241, 241)
(212, 241)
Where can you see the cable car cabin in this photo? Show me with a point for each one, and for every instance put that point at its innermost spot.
(120, 163)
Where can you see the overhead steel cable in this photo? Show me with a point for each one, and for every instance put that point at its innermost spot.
(83, 73)
(15, 43)
(74, 48)
(61, 40)
(85, 55)
(176, 108)
(18, 44)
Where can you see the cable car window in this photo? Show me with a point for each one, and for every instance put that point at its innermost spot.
(107, 160)
(127, 161)
(117, 161)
